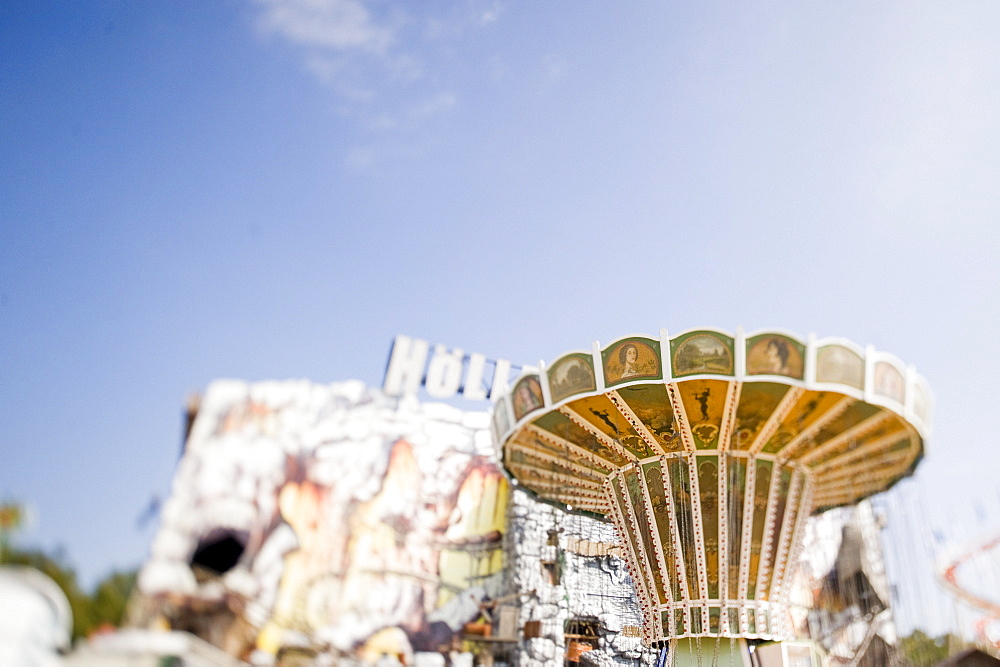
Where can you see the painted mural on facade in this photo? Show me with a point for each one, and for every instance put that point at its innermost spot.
(328, 516)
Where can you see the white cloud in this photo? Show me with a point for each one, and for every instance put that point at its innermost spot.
(385, 63)
(461, 17)
(361, 157)
(330, 24)
(440, 103)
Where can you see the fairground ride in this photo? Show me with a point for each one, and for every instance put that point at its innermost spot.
(708, 451)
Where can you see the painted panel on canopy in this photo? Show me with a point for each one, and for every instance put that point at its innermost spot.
(856, 413)
(501, 420)
(651, 404)
(653, 474)
(780, 505)
(665, 623)
(602, 413)
(632, 548)
(889, 426)
(525, 457)
(861, 484)
(836, 363)
(676, 472)
(634, 488)
(715, 621)
(812, 405)
(560, 425)
(736, 469)
(708, 489)
(701, 352)
(572, 374)
(527, 441)
(632, 359)
(882, 459)
(762, 487)
(888, 464)
(547, 486)
(889, 381)
(774, 354)
(758, 401)
(704, 403)
(527, 396)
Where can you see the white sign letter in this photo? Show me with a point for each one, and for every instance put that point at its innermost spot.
(501, 378)
(406, 366)
(474, 378)
(444, 373)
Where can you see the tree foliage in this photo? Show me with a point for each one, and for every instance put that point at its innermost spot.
(922, 649)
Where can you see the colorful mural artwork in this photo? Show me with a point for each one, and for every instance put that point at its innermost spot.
(651, 405)
(775, 355)
(702, 352)
(572, 374)
(631, 359)
(381, 566)
(704, 403)
(836, 363)
(527, 396)
(363, 529)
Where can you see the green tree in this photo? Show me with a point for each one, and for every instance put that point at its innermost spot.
(110, 599)
(921, 649)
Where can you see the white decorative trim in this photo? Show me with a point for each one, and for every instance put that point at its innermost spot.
(764, 564)
(723, 519)
(746, 539)
(792, 511)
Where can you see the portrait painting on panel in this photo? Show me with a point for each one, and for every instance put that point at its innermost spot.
(527, 396)
(775, 355)
(631, 359)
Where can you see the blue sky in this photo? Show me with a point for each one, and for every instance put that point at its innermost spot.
(274, 189)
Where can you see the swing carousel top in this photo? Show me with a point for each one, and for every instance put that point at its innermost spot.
(854, 419)
(708, 451)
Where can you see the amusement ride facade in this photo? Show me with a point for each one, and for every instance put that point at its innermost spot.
(708, 452)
